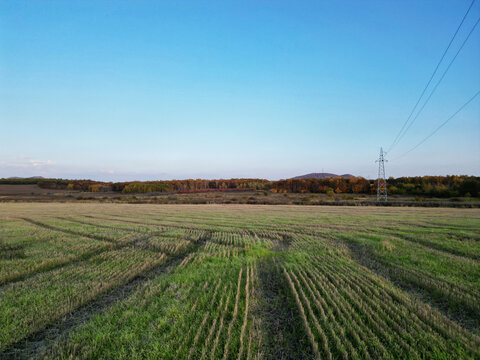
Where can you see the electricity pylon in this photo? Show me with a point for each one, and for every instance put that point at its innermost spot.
(381, 181)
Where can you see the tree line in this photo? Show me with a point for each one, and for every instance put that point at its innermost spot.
(434, 186)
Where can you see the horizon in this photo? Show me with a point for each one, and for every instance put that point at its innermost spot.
(144, 91)
(218, 179)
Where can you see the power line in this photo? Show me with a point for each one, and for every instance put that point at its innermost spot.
(439, 81)
(431, 78)
(439, 127)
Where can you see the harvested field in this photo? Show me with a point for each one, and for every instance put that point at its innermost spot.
(131, 281)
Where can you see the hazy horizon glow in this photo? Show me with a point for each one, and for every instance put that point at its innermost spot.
(129, 90)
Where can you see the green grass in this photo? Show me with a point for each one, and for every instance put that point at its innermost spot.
(238, 282)
(29, 304)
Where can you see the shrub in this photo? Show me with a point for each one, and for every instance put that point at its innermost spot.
(330, 193)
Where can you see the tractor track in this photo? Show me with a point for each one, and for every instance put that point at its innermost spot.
(133, 242)
(38, 343)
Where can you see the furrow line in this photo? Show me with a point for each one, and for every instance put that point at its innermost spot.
(41, 341)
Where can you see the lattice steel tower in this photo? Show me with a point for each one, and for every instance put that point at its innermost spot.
(381, 181)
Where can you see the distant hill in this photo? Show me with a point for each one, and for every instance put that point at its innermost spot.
(31, 177)
(322, 176)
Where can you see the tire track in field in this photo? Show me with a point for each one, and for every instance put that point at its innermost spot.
(433, 246)
(430, 245)
(284, 335)
(173, 222)
(463, 316)
(137, 241)
(133, 242)
(430, 225)
(284, 235)
(68, 231)
(103, 226)
(128, 220)
(41, 341)
(168, 223)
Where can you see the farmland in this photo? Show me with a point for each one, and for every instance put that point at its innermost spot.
(91, 280)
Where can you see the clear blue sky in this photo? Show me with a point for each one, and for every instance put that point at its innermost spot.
(122, 90)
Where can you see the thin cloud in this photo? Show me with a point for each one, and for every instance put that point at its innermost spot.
(40, 163)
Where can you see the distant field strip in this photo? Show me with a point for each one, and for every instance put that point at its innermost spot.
(238, 282)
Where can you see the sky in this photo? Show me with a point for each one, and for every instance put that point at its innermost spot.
(143, 90)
